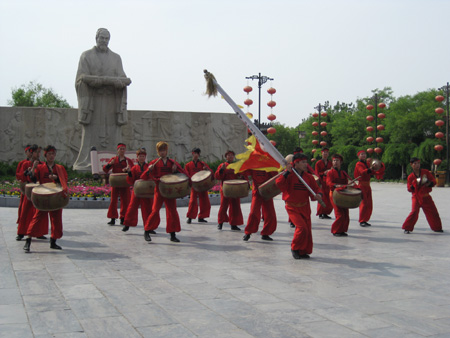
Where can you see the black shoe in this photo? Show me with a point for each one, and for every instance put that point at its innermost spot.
(174, 238)
(325, 216)
(438, 230)
(189, 221)
(407, 232)
(19, 237)
(220, 226)
(305, 256)
(365, 224)
(27, 245)
(147, 236)
(292, 225)
(153, 232)
(53, 244)
(202, 220)
(295, 254)
(266, 238)
(112, 221)
(125, 228)
(321, 216)
(246, 237)
(235, 228)
(41, 237)
(340, 234)
(122, 220)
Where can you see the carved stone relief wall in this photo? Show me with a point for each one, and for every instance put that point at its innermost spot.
(213, 133)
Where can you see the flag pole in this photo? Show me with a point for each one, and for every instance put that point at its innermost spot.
(212, 87)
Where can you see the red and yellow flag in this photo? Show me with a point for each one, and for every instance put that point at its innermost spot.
(254, 158)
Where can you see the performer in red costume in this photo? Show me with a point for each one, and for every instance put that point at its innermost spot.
(299, 150)
(234, 217)
(156, 169)
(118, 164)
(27, 210)
(323, 166)
(297, 196)
(192, 168)
(19, 176)
(337, 178)
(259, 203)
(46, 173)
(134, 174)
(421, 198)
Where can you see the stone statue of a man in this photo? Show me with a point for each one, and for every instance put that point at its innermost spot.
(101, 86)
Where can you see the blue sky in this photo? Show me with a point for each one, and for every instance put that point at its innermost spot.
(315, 50)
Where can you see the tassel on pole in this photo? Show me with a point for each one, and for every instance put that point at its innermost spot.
(211, 88)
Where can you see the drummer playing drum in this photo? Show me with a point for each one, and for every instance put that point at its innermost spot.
(118, 164)
(47, 173)
(157, 168)
(337, 178)
(192, 168)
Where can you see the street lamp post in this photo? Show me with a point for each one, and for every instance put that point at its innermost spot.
(261, 80)
(301, 134)
(446, 89)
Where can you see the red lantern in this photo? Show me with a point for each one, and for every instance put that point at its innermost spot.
(271, 104)
(381, 115)
(273, 143)
(249, 115)
(313, 160)
(315, 115)
(323, 133)
(248, 102)
(248, 89)
(271, 91)
(370, 150)
(369, 139)
(439, 98)
(369, 129)
(379, 140)
(369, 107)
(369, 118)
(323, 124)
(382, 105)
(323, 143)
(324, 114)
(439, 134)
(438, 147)
(271, 130)
(380, 127)
(439, 123)
(271, 117)
(439, 110)
(315, 133)
(378, 150)
(315, 124)
(437, 161)
(314, 150)
(315, 142)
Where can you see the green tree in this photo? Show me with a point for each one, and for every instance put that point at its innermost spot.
(36, 95)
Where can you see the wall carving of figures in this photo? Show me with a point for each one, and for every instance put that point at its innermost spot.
(213, 133)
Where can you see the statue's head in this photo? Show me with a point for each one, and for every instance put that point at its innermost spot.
(102, 38)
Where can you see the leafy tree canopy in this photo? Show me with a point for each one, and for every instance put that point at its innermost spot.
(36, 95)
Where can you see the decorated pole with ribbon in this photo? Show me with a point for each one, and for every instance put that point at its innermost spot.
(212, 87)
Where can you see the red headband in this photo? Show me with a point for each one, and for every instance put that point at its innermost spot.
(121, 145)
(359, 152)
(27, 148)
(49, 151)
(299, 159)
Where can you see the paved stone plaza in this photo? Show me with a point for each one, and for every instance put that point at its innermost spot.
(377, 282)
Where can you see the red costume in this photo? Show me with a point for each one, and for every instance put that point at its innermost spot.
(39, 224)
(131, 216)
(124, 193)
(258, 203)
(234, 217)
(172, 218)
(321, 167)
(342, 221)
(421, 199)
(205, 205)
(365, 208)
(297, 196)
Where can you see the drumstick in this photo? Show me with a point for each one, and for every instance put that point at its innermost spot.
(212, 87)
(353, 180)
